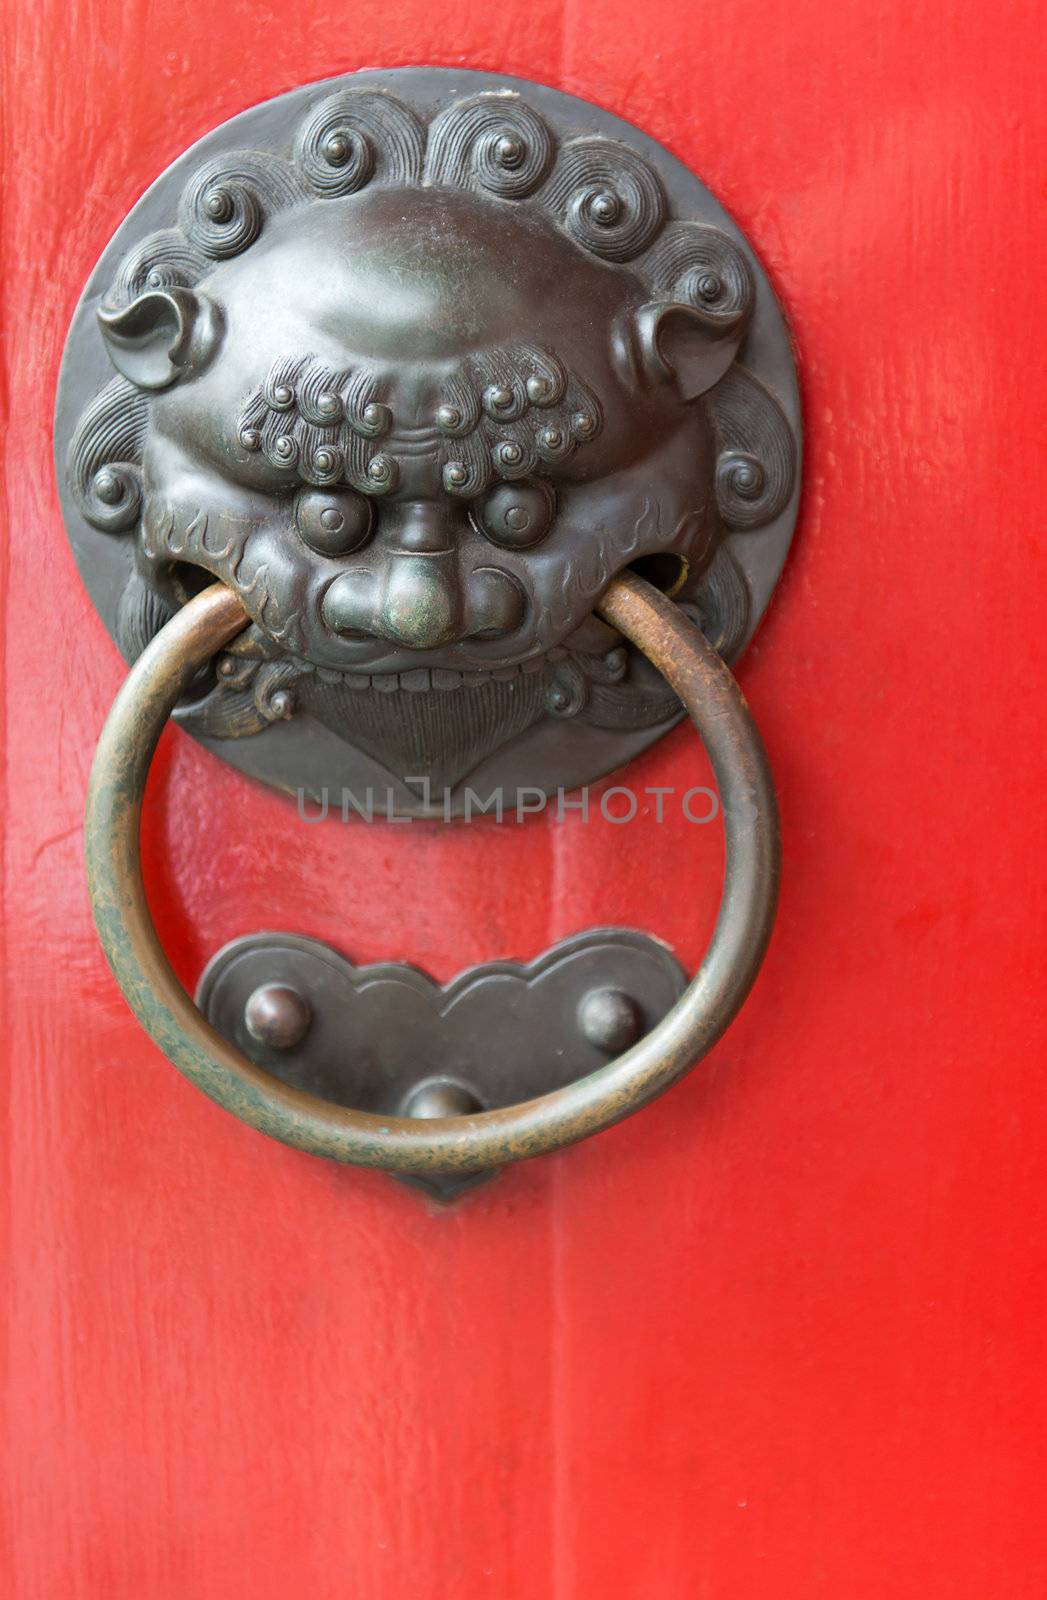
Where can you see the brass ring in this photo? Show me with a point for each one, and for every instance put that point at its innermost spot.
(704, 684)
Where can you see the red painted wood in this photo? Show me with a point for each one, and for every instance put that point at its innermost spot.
(782, 1335)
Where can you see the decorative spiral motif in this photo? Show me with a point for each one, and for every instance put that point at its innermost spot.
(505, 400)
(515, 457)
(459, 408)
(547, 379)
(224, 206)
(320, 395)
(105, 457)
(165, 260)
(585, 424)
(322, 463)
(756, 468)
(467, 466)
(566, 688)
(382, 474)
(114, 497)
(554, 442)
(336, 158)
(740, 477)
(609, 198)
(280, 388)
(364, 413)
(273, 689)
(321, 421)
(506, 410)
(493, 142)
(701, 267)
(285, 450)
(722, 606)
(355, 136)
(225, 217)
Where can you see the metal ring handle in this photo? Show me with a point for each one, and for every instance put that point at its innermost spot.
(704, 684)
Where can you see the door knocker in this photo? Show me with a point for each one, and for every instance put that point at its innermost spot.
(423, 432)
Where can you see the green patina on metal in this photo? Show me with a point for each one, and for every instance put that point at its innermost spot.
(447, 1144)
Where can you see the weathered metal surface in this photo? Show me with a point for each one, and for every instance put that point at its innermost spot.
(782, 1337)
(488, 1138)
(415, 362)
(390, 1040)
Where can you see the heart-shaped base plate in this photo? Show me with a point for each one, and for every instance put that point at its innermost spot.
(390, 1040)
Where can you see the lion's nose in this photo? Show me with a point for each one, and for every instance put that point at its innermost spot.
(418, 601)
(412, 601)
(419, 608)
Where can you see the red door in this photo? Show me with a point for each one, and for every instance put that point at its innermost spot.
(782, 1334)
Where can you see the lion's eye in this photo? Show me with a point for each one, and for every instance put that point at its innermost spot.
(517, 514)
(332, 522)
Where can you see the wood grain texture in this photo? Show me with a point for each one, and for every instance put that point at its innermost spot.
(783, 1334)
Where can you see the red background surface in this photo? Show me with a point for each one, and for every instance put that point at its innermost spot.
(781, 1335)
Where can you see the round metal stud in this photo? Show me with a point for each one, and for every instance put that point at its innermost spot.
(219, 205)
(277, 1016)
(610, 1020)
(440, 1097)
(107, 487)
(510, 151)
(337, 149)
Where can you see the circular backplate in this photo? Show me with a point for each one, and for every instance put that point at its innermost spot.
(754, 414)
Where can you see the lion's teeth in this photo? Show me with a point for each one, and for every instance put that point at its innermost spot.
(417, 678)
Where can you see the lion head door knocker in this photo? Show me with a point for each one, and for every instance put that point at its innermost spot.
(440, 433)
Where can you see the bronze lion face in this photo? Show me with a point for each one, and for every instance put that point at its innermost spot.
(417, 388)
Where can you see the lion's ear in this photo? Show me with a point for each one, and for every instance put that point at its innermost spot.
(678, 344)
(164, 335)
